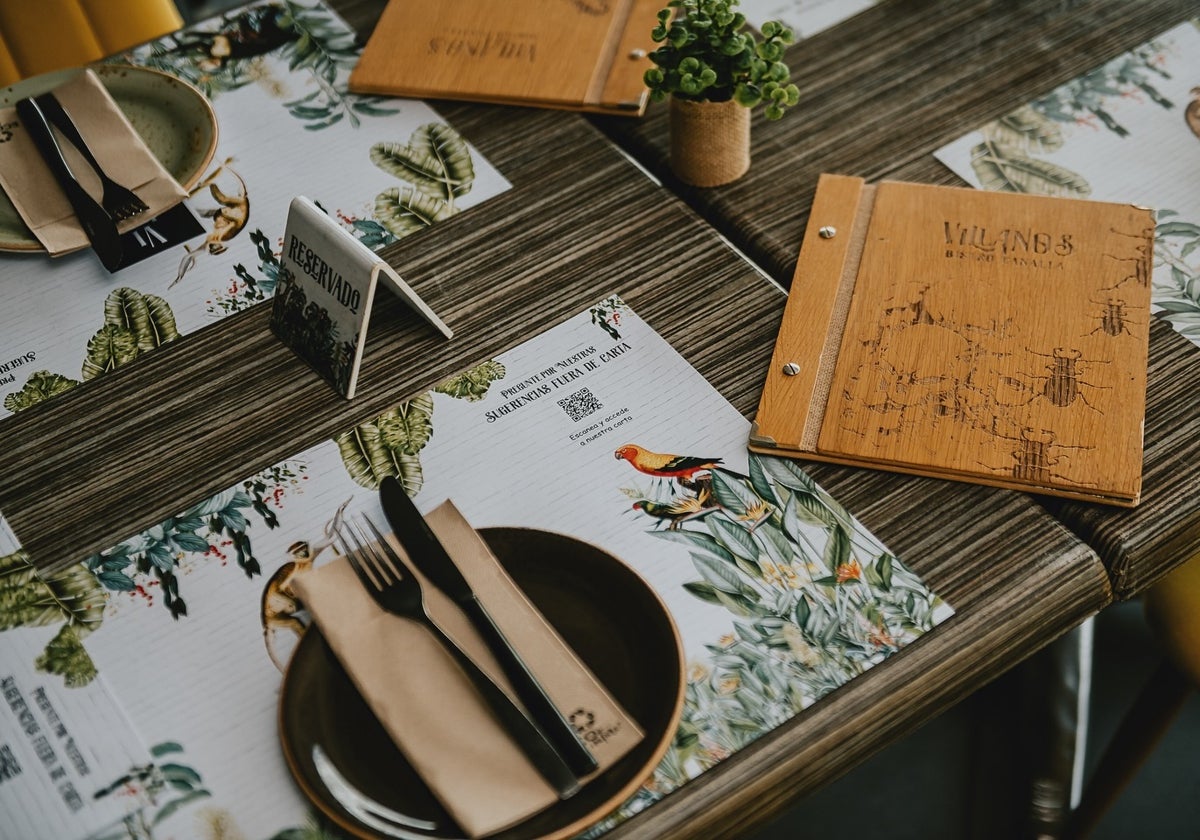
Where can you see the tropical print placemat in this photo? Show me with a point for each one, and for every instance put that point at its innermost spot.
(275, 74)
(1127, 131)
(596, 429)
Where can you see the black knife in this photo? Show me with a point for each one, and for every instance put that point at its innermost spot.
(428, 554)
(99, 227)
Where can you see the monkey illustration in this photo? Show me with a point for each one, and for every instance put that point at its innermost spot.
(280, 607)
(254, 33)
(229, 217)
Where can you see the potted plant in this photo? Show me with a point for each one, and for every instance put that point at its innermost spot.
(714, 72)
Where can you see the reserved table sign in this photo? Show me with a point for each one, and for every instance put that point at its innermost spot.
(322, 303)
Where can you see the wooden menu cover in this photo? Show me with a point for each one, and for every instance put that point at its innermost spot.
(576, 54)
(989, 337)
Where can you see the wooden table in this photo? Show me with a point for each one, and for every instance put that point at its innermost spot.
(91, 467)
(879, 94)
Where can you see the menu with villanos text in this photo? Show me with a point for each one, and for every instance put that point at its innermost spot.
(596, 429)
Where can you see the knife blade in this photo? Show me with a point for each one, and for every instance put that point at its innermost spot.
(429, 555)
(98, 226)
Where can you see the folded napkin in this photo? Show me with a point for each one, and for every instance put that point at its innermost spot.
(120, 150)
(428, 705)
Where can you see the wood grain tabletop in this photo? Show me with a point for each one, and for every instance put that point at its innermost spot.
(880, 93)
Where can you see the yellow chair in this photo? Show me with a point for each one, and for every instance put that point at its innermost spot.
(37, 36)
(1173, 612)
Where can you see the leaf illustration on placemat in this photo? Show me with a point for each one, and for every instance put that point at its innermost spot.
(111, 347)
(446, 145)
(472, 385)
(404, 210)
(149, 317)
(32, 599)
(41, 385)
(1026, 129)
(133, 322)
(1003, 169)
(436, 161)
(389, 445)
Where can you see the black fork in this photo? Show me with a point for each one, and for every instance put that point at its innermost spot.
(389, 580)
(120, 202)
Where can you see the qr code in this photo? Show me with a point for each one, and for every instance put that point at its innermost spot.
(580, 404)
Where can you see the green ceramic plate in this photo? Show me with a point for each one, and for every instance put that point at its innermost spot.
(346, 764)
(175, 120)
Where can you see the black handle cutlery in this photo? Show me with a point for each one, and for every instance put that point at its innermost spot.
(430, 557)
(99, 227)
(120, 202)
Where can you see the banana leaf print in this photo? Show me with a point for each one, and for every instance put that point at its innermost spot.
(437, 164)
(133, 323)
(1086, 99)
(248, 46)
(1027, 130)
(436, 160)
(390, 445)
(472, 385)
(29, 598)
(110, 348)
(41, 385)
(405, 210)
(1004, 169)
(147, 316)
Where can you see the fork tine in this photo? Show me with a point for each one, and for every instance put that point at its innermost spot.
(352, 548)
(394, 560)
(371, 553)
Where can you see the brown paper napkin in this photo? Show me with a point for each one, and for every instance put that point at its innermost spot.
(120, 150)
(428, 705)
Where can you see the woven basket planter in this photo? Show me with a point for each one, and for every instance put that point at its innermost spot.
(710, 141)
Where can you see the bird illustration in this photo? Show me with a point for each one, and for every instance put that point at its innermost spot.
(660, 465)
(680, 509)
(1192, 112)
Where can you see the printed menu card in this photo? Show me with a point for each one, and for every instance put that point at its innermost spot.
(596, 429)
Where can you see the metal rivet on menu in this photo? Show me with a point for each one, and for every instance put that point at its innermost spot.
(828, 232)
(791, 369)
(639, 53)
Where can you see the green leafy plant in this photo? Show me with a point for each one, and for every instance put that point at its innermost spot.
(707, 57)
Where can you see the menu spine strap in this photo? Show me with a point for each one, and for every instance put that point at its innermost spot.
(806, 352)
(617, 83)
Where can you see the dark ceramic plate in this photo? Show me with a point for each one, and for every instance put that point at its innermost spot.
(347, 766)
